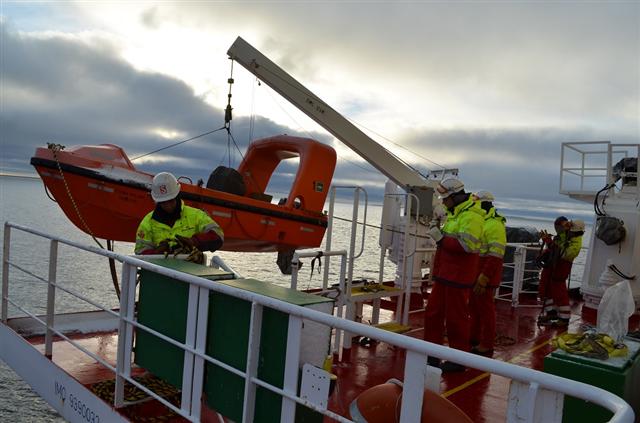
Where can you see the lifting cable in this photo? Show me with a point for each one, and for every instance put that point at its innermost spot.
(178, 143)
(369, 225)
(599, 209)
(318, 100)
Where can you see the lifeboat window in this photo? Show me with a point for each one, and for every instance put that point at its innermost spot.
(282, 178)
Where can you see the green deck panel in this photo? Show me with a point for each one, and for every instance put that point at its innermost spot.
(618, 375)
(229, 321)
(288, 295)
(190, 268)
(163, 306)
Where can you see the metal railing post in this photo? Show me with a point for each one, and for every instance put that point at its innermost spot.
(125, 331)
(201, 346)
(409, 258)
(5, 273)
(190, 341)
(295, 265)
(253, 358)
(51, 298)
(351, 306)
(415, 366)
(292, 361)
(518, 272)
(328, 238)
(338, 342)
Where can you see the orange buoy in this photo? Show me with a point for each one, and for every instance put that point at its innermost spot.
(382, 404)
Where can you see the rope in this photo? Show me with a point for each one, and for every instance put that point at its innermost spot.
(619, 272)
(106, 389)
(178, 143)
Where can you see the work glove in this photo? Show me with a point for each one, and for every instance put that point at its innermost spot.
(185, 242)
(545, 237)
(480, 286)
(435, 233)
(163, 247)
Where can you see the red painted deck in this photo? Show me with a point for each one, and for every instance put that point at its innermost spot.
(481, 395)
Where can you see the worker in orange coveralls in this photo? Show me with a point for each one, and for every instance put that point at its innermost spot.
(481, 303)
(455, 269)
(557, 260)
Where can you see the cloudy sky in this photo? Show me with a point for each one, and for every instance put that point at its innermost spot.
(492, 88)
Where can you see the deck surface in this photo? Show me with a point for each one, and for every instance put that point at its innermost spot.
(480, 395)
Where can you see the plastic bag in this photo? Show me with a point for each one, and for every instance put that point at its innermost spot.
(615, 308)
(610, 230)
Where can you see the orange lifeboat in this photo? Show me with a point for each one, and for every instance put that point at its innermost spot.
(104, 195)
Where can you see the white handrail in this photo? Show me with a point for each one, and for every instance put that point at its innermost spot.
(622, 411)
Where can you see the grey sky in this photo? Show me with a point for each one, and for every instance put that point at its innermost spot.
(491, 88)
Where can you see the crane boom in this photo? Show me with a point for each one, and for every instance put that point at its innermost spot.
(309, 103)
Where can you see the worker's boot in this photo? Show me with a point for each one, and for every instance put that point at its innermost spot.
(451, 367)
(433, 361)
(548, 319)
(561, 323)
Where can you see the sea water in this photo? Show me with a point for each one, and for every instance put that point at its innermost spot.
(24, 201)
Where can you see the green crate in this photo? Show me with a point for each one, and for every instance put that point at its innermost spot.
(162, 306)
(618, 375)
(228, 338)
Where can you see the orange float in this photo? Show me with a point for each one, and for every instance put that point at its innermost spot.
(382, 404)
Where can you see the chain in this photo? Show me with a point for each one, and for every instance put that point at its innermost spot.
(55, 148)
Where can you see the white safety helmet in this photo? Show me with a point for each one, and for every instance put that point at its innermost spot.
(449, 186)
(164, 187)
(577, 226)
(484, 195)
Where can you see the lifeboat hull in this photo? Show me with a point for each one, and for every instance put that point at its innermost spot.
(108, 199)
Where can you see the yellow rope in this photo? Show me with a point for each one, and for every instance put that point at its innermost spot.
(105, 390)
(484, 375)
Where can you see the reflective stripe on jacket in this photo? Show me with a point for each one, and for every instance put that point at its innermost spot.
(192, 221)
(456, 260)
(494, 242)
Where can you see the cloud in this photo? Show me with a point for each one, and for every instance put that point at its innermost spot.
(497, 104)
(67, 91)
(465, 64)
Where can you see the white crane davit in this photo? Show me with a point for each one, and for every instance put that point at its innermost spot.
(310, 104)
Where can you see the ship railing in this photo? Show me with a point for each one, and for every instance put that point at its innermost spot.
(587, 166)
(409, 248)
(511, 289)
(534, 395)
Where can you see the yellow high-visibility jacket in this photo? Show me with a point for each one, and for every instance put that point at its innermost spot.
(456, 260)
(494, 242)
(192, 222)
